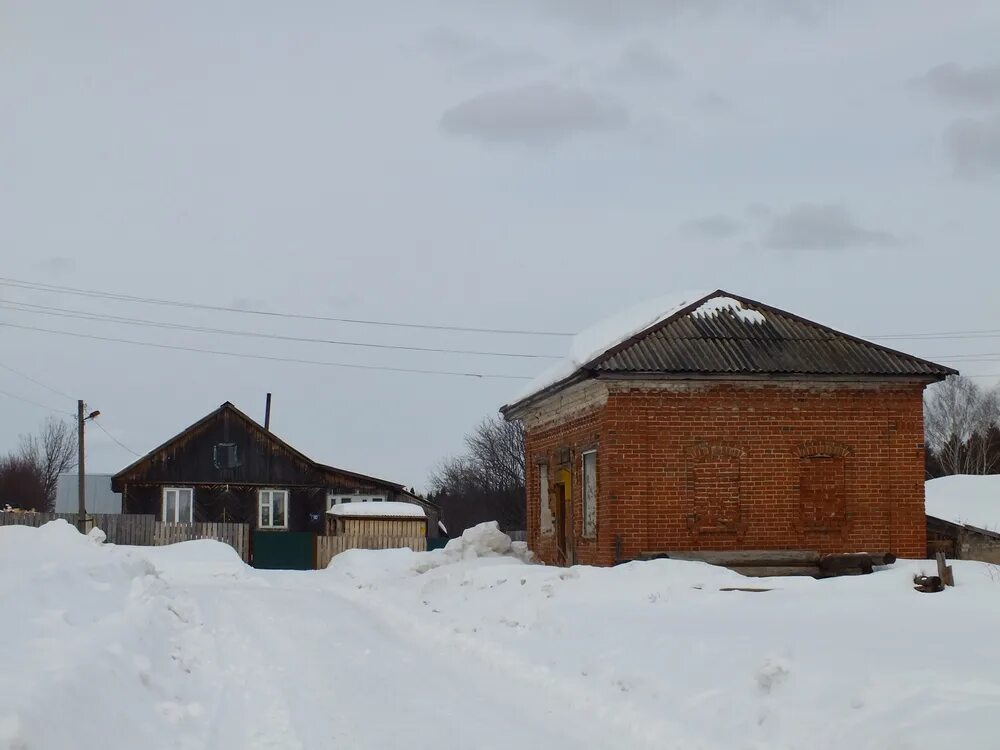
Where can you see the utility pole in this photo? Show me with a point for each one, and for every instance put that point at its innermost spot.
(82, 521)
(81, 518)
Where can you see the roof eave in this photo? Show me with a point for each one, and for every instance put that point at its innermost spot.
(516, 409)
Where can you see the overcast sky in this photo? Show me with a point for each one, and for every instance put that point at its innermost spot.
(529, 164)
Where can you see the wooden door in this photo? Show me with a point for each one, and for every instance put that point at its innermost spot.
(562, 557)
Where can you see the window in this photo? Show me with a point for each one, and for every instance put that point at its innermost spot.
(272, 509)
(590, 494)
(178, 505)
(334, 497)
(822, 492)
(225, 456)
(714, 486)
(545, 519)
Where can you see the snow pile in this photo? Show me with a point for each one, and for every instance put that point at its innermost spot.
(718, 304)
(608, 333)
(965, 499)
(97, 651)
(387, 509)
(482, 542)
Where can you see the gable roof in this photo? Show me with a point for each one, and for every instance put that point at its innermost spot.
(721, 333)
(228, 406)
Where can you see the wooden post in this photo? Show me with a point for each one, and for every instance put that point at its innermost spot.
(944, 571)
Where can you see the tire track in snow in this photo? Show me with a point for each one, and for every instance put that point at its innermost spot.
(310, 669)
(618, 716)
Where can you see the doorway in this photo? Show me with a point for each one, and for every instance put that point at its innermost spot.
(563, 523)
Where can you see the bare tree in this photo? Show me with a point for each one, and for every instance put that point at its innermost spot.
(487, 481)
(960, 423)
(20, 484)
(51, 452)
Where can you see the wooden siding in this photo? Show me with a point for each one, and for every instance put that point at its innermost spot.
(328, 546)
(235, 504)
(402, 527)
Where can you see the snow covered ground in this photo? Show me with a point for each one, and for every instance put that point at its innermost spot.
(470, 647)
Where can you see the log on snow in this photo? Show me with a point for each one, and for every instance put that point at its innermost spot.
(750, 558)
(837, 563)
(768, 571)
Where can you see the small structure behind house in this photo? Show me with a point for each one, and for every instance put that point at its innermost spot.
(380, 525)
(387, 518)
(99, 496)
(963, 517)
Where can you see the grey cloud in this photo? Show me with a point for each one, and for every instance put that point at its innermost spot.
(475, 54)
(713, 103)
(964, 86)
(644, 61)
(717, 227)
(535, 114)
(810, 226)
(617, 13)
(57, 265)
(974, 146)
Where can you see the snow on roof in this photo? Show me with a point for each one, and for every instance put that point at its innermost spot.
(965, 499)
(389, 509)
(594, 341)
(717, 304)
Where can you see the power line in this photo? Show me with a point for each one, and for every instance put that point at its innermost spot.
(36, 382)
(34, 403)
(63, 312)
(265, 356)
(985, 333)
(42, 287)
(119, 443)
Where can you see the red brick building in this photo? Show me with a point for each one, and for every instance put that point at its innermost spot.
(722, 423)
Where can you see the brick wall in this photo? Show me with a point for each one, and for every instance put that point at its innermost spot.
(723, 466)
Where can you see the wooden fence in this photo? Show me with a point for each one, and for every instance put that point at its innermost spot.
(120, 529)
(236, 535)
(144, 530)
(328, 546)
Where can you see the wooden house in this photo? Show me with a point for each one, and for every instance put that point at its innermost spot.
(228, 468)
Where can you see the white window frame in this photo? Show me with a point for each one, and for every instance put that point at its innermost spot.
(265, 498)
(177, 505)
(589, 519)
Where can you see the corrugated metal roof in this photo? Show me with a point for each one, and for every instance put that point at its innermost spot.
(763, 341)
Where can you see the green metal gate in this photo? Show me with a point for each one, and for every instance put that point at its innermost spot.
(284, 550)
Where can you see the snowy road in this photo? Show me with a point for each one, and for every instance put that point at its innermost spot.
(310, 668)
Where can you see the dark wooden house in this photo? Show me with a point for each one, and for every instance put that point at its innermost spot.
(228, 468)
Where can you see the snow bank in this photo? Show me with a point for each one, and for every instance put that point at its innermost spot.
(663, 652)
(387, 509)
(483, 542)
(97, 651)
(606, 334)
(965, 499)
(122, 647)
